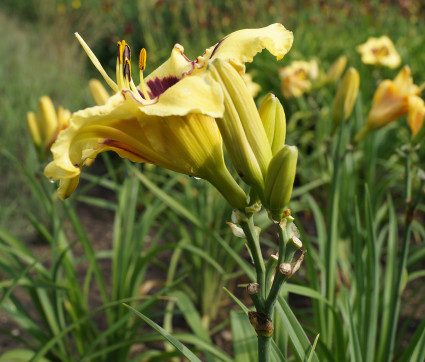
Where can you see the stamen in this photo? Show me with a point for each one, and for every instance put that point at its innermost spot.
(142, 66)
(96, 63)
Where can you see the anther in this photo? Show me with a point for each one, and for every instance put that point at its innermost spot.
(142, 66)
(142, 59)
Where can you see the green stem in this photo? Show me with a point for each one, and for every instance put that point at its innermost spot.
(254, 245)
(264, 350)
(395, 307)
(332, 237)
(279, 278)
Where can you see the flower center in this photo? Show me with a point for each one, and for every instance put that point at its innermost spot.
(123, 70)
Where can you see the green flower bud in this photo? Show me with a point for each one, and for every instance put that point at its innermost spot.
(280, 180)
(345, 97)
(241, 127)
(274, 121)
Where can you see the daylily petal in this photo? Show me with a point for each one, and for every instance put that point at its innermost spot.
(241, 46)
(196, 94)
(168, 73)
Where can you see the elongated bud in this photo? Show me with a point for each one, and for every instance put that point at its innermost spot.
(274, 122)
(280, 180)
(98, 92)
(345, 98)
(48, 120)
(34, 130)
(336, 69)
(241, 127)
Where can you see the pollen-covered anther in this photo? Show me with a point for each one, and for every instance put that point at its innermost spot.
(142, 59)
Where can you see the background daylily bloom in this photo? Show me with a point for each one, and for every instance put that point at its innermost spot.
(390, 102)
(296, 78)
(45, 126)
(379, 51)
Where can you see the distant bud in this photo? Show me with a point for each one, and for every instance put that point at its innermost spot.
(98, 92)
(48, 120)
(274, 122)
(280, 180)
(345, 97)
(34, 129)
(336, 69)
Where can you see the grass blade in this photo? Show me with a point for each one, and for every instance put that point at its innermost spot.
(182, 348)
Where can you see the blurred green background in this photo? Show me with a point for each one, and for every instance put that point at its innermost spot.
(39, 54)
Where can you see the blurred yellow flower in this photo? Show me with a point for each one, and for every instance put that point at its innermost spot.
(169, 119)
(45, 126)
(379, 51)
(296, 78)
(415, 118)
(390, 102)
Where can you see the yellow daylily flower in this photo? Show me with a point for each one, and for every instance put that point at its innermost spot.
(169, 119)
(379, 51)
(45, 126)
(296, 78)
(390, 102)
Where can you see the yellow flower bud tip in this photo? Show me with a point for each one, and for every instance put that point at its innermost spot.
(98, 92)
(336, 69)
(34, 130)
(279, 181)
(345, 98)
